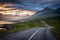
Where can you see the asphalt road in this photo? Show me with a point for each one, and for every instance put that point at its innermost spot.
(31, 34)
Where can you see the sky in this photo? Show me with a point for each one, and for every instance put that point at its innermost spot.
(27, 1)
(32, 4)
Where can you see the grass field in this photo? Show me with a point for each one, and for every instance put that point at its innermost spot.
(23, 26)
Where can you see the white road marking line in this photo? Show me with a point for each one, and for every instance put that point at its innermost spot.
(33, 34)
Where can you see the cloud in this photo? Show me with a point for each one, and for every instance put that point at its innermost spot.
(27, 1)
(50, 0)
(10, 1)
(31, 5)
(39, 1)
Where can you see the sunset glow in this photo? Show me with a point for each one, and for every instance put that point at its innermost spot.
(14, 11)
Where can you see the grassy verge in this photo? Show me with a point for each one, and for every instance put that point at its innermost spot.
(56, 28)
(54, 23)
(23, 26)
(56, 33)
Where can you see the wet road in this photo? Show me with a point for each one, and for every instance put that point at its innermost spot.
(31, 34)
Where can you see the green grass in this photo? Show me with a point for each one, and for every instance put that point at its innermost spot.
(56, 33)
(56, 28)
(55, 23)
(23, 26)
(53, 18)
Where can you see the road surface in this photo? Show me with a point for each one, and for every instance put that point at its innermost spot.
(31, 34)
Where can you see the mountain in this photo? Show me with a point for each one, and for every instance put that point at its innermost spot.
(57, 15)
(41, 12)
(45, 10)
(46, 13)
(57, 10)
(52, 13)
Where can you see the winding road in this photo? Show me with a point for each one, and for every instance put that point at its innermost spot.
(32, 34)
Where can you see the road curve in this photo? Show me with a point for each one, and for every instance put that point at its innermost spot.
(30, 34)
(24, 35)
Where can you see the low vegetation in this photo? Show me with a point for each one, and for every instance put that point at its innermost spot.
(55, 23)
(23, 26)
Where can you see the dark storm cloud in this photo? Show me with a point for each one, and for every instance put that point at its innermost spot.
(27, 1)
(32, 4)
(40, 1)
(10, 1)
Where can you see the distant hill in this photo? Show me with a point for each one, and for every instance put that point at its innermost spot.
(46, 13)
(40, 13)
(58, 10)
(45, 10)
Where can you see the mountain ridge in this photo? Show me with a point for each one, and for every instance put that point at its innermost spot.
(44, 14)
